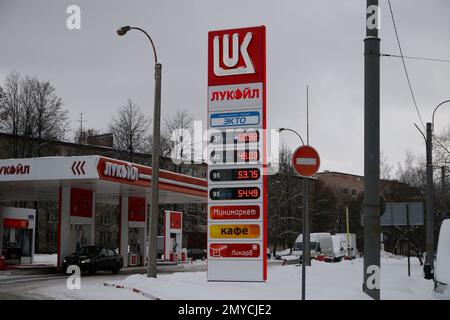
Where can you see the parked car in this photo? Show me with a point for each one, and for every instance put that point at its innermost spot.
(93, 259)
(11, 251)
(283, 253)
(196, 253)
(442, 263)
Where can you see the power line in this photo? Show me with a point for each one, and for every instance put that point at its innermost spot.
(404, 64)
(417, 58)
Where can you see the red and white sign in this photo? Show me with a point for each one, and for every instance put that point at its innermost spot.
(234, 250)
(306, 161)
(81, 203)
(175, 220)
(234, 212)
(236, 56)
(125, 172)
(173, 233)
(236, 98)
(15, 223)
(136, 209)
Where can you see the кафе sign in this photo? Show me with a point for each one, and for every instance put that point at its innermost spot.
(237, 204)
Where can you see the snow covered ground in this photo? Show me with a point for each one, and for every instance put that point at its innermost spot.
(324, 281)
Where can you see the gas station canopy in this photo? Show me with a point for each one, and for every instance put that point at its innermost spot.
(39, 179)
(78, 183)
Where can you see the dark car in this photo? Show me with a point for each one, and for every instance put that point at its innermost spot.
(93, 259)
(11, 251)
(196, 253)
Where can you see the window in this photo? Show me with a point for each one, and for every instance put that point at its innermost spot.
(52, 217)
(105, 237)
(103, 253)
(346, 191)
(106, 219)
(354, 192)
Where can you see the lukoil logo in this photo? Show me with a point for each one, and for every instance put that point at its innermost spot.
(231, 62)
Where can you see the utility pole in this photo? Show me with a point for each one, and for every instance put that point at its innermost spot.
(81, 137)
(372, 152)
(347, 218)
(428, 266)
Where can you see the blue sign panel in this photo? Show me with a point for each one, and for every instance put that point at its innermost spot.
(234, 119)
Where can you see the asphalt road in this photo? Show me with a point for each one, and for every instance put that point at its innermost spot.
(24, 287)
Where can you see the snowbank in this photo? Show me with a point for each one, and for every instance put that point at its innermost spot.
(50, 259)
(328, 281)
(324, 281)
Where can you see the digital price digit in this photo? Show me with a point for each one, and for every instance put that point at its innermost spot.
(238, 193)
(248, 193)
(247, 155)
(248, 174)
(243, 137)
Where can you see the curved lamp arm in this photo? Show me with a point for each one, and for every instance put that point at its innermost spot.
(435, 109)
(298, 134)
(122, 31)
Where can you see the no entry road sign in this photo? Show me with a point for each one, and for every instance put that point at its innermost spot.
(306, 161)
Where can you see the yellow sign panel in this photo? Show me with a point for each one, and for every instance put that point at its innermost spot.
(234, 231)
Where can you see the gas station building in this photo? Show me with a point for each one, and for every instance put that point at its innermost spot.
(77, 184)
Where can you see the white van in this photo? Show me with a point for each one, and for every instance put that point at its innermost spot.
(319, 243)
(340, 245)
(442, 263)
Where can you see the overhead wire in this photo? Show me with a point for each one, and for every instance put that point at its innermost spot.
(404, 64)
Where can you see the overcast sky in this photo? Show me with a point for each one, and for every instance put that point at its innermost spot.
(315, 42)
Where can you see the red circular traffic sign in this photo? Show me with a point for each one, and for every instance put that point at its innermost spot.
(306, 161)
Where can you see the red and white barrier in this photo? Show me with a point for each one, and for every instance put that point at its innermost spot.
(135, 290)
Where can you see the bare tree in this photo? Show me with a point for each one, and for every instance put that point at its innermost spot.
(412, 172)
(130, 130)
(26, 115)
(385, 167)
(81, 135)
(442, 147)
(177, 138)
(30, 110)
(9, 107)
(285, 199)
(49, 120)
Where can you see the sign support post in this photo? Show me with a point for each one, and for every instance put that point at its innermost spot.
(306, 162)
(306, 259)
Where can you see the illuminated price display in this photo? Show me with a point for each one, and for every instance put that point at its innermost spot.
(234, 156)
(248, 136)
(249, 174)
(238, 193)
(247, 155)
(235, 136)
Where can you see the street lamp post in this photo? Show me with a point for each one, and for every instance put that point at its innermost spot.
(306, 259)
(153, 220)
(429, 264)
